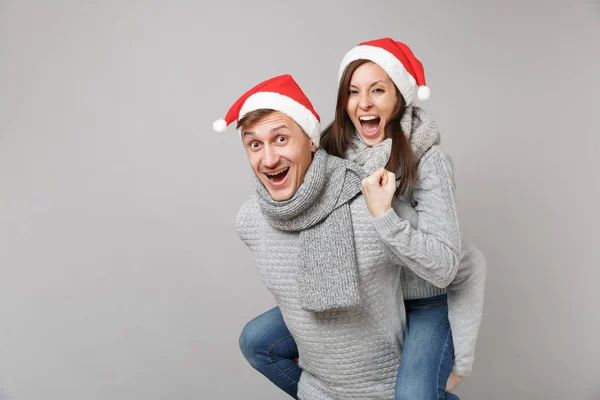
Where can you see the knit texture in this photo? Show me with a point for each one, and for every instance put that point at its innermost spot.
(436, 257)
(433, 198)
(466, 290)
(349, 353)
(319, 211)
(433, 251)
(420, 129)
(371, 158)
(465, 307)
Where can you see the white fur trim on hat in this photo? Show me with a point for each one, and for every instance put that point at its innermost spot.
(220, 125)
(296, 111)
(423, 93)
(403, 80)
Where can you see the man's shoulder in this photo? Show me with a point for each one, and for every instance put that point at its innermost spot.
(249, 211)
(249, 221)
(251, 203)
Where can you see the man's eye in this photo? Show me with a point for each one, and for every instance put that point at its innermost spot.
(254, 145)
(281, 139)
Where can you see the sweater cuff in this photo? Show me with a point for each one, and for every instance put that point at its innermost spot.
(387, 223)
(461, 370)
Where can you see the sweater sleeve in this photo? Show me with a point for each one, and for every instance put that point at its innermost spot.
(247, 223)
(465, 307)
(432, 252)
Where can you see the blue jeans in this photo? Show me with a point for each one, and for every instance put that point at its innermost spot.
(269, 347)
(426, 362)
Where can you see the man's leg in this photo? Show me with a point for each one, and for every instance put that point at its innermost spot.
(428, 353)
(269, 347)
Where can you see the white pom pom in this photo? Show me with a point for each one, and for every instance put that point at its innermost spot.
(220, 125)
(423, 93)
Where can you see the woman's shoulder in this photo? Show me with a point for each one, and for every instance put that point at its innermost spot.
(434, 156)
(435, 151)
(435, 165)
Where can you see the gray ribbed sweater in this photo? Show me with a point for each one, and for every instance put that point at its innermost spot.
(353, 353)
(432, 270)
(438, 261)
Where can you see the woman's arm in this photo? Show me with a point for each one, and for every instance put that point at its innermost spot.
(465, 307)
(433, 251)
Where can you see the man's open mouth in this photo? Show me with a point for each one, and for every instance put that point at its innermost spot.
(279, 176)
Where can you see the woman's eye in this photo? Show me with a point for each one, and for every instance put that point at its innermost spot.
(378, 90)
(353, 92)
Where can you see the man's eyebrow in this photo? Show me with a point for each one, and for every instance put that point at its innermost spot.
(278, 127)
(251, 133)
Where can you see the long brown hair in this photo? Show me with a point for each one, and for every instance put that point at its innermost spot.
(336, 138)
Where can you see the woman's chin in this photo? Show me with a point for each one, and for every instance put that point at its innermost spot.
(373, 138)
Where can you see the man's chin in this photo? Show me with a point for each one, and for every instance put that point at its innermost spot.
(280, 194)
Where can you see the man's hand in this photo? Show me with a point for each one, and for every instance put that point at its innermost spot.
(453, 380)
(379, 189)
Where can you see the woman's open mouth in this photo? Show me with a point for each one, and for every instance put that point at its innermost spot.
(370, 124)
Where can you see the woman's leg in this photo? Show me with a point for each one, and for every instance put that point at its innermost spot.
(269, 347)
(428, 353)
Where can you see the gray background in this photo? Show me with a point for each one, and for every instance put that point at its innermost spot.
(121, 274)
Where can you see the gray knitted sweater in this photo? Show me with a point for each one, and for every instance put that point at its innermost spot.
(437, 268)
(438, 261)
(350, 353)
(353, 353)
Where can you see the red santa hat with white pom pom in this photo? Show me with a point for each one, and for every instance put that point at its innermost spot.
(397, 59)
(280, 93)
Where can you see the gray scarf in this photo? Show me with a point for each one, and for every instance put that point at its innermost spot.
(418, 127)
(319, 210)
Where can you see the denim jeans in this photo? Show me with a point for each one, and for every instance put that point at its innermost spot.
(425, 364)
(428, 353)
(269, 347)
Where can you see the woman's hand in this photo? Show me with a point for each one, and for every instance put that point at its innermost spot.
(379, 189)
(453, 380)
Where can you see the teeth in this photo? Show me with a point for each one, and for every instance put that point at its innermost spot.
(278, 173)
(368, 118)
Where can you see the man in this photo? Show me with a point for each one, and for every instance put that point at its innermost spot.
(317, 249)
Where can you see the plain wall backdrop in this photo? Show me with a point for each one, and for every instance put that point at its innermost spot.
(121, 275)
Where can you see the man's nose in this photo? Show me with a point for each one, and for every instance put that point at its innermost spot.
(270, 157)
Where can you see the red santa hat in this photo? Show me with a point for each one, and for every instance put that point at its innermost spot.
(396, 58)
(280, 93)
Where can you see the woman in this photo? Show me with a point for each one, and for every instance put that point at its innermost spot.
(376, 125)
